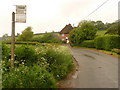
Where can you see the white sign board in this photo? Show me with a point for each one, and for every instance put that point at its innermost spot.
(21, 13)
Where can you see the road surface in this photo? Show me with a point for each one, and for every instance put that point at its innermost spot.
(96, 70)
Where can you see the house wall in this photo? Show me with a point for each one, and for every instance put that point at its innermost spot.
(63, 37)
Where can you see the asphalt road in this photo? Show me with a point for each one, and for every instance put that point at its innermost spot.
(96, 70)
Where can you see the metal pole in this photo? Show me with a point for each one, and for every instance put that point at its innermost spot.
(13, 40)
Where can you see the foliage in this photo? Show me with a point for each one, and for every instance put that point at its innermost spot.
(107, 42)
(26, 35)
(28, 77)
(59, 61)
(114, 29)
(36, 38)
(75, 37)
(37, 66)
(26, 54)
(101, 32)
(88, 44)
(99, 25)
(116, 50)
(87, 31)
(5, 52)
(22, 42)
(5, 37)
(47, 38)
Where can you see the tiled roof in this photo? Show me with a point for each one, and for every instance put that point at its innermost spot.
(66, 29)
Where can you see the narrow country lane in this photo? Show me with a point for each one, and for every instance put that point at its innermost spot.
(96, 70)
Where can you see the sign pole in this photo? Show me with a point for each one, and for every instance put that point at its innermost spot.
(13, 40)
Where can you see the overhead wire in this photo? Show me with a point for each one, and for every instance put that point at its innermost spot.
(96, 9)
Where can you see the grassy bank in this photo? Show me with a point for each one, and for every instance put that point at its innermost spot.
(36, 66)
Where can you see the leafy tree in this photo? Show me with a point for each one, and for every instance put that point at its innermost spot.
(5, 37)
(86, 31)
(26, 35)
(75, 36)
(99, 25)
(114, 29)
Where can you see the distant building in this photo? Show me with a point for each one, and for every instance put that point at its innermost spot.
(64, 33)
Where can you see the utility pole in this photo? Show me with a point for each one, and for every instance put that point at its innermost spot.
(13, 40)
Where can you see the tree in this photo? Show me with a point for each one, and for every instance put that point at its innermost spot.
(5, 37)
(86, 31)
(26, 35)
(114, 29)
(75, 37)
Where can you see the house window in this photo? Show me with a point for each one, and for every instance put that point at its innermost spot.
(62, 34)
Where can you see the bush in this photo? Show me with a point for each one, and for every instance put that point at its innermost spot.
(26, 54)
(99, 42)
(5, 52)
(28, 77)
(37, 38)
(107, 42)
(88, 44)
(86, 31)
(59, 62)
(46, 38)
(43, 64)
(75, 37)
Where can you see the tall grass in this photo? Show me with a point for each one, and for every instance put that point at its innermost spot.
(36, 66)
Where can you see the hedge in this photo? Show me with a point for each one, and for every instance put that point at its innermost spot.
(21, 42)
(88, 44)
(107, 42)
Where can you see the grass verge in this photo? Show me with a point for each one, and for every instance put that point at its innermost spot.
(102, 51)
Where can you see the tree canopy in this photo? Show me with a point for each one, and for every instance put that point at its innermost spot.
(26, 35)
(86, 31)
(114, 29)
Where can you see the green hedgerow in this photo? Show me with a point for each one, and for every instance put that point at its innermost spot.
(107, 42)
(88, 44)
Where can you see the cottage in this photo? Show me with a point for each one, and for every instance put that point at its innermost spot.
(64, 33)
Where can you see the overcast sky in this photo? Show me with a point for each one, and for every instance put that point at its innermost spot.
(53, 15)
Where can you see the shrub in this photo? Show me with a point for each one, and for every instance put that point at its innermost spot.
(28, 77)
(46, 38)
(25, 53)
(88, 44)
(59, 62)
(107, 42)
(5, 52)
(75, 37)
(55, 60)
(86, 31)
(99, 42)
